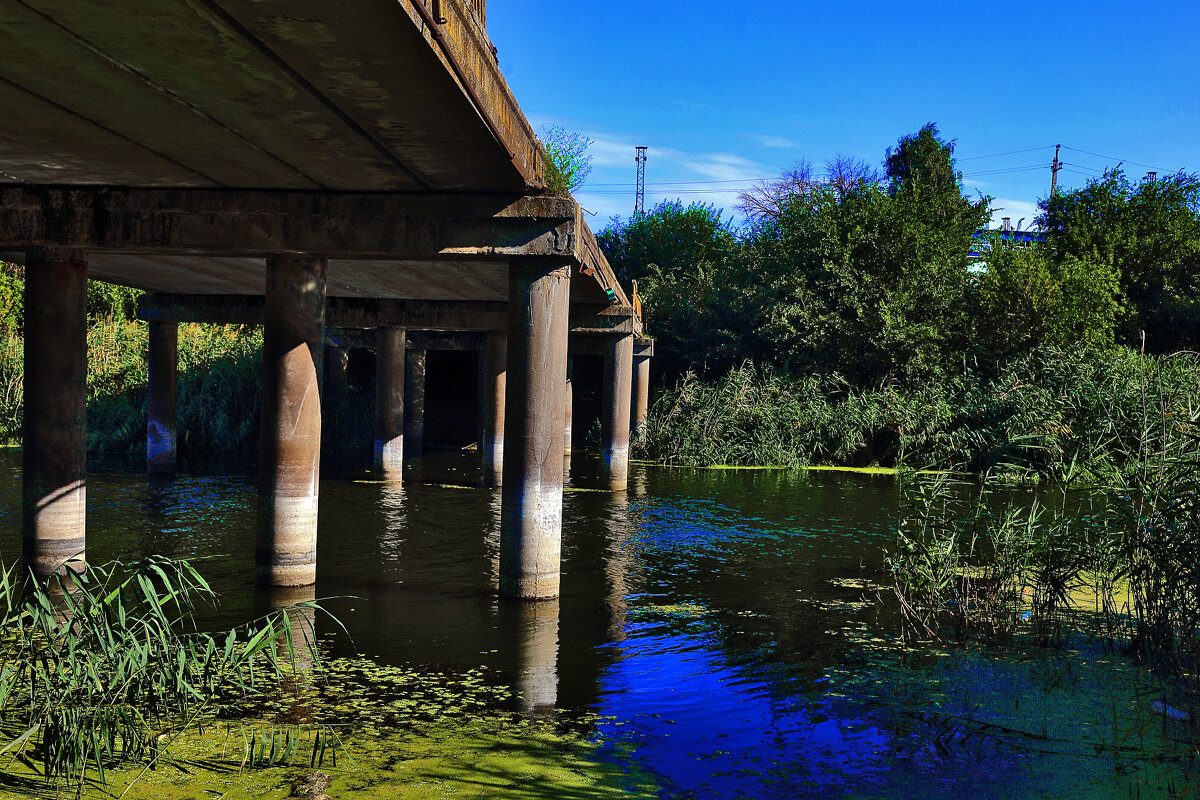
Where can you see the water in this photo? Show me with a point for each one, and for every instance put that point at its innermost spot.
(726, 627)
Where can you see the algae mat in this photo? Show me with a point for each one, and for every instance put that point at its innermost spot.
(399, 733)
(523, 762)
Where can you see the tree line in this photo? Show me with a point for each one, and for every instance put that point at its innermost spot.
(882, 277)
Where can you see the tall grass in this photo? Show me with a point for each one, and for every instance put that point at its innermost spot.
(106, 667)
(218, 392)
(1125, 568)
(1055, 413)
(220, 369)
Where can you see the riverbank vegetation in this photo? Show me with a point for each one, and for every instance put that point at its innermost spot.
(219, 376)
(106, 668)
(859, 318)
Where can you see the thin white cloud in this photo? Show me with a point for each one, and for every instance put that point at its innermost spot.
(725, 167)
(767, 140)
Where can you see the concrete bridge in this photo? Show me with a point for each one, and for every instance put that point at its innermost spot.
(315, 167)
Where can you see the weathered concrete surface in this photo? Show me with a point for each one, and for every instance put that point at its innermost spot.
(259, 93)
(289, 450)
(494, 382)
(54, 454)
(161, 397)
(531, 501)
(616, 391)
(342, 313)
(382, 245)
(389, 403)
(414, 403)
(255, 223)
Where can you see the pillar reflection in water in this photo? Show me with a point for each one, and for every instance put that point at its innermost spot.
(301, 624)
(534, 639)
(395, 515)
(618, 563)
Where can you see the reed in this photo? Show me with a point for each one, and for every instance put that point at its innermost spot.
(1054, 415)
(106, 667)
(1120, 565)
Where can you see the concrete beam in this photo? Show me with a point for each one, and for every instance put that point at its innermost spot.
(351, 312)
(365, 339)
(244, 222)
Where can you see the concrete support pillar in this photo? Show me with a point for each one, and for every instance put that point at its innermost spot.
(414, 403)
(337, 378)
(54, 451)
(614, 411)
(531, 503)
(389, 403)
(568, 402)
(641, 391)
(335, 390)
(495, 355)
(289, 449)
(161, 397)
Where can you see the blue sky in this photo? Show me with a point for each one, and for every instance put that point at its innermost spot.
(736, 91)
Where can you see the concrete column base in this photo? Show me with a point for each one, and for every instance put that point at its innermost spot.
(531, 502)
(614, 412)
(161, 398)
(289, 451)
(54, 433)
(389, 404)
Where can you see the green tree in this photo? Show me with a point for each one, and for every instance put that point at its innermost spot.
(1027, 299)
(868, 281)
(685, 261)
(1148, 234)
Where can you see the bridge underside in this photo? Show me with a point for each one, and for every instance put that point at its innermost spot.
(281, 94)
(308, 165)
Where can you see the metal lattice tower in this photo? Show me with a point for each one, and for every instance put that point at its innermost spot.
(639, 201)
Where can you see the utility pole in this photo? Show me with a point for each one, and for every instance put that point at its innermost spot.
(639, 201)
(1054, 168)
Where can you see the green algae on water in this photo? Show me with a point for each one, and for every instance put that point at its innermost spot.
(397, 732)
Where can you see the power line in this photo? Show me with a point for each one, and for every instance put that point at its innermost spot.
(681, 183)
(1009, 153)
(1111, 158)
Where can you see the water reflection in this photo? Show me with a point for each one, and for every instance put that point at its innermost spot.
(301, 620)
(728, 621)
(530, 629)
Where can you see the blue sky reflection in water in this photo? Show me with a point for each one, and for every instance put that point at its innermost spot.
(727, 626)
